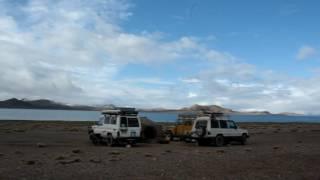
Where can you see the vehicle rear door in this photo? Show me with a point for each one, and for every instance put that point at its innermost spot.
(130, 126)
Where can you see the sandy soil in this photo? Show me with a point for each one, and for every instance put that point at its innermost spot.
(57, 150)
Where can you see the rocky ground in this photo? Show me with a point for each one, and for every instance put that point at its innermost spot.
(61, 150)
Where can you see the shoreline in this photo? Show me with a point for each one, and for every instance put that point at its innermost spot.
(159, 122)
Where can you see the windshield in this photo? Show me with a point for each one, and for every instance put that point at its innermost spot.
(100, 121)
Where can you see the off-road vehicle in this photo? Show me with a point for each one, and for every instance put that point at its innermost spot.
(217, 129)
(117, 126)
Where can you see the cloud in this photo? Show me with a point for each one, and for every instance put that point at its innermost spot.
(71, 51)
(75, 51)
(306, 52)
(192, 95)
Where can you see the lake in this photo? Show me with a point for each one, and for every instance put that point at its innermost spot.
(71, 115)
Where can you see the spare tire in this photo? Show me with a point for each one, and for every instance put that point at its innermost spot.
(149, 132)
(201, 131)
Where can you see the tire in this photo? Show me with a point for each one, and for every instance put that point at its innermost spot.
(94, 139)
(219, 140)
(201, 132)
(243, 139)
(110, 140)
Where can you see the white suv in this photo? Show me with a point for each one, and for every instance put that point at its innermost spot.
(217, 129)
(116, 127)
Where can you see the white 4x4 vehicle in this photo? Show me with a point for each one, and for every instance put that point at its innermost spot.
(217, 129)
(116, 127)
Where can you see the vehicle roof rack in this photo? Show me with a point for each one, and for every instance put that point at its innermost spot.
(120, 111)
(213, 114)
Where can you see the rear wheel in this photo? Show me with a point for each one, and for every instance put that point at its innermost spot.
(219, 140)
(244, 139)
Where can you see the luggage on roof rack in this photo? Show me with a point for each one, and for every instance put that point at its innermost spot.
(121, 111)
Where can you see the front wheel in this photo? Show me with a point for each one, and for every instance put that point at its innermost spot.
(219, 141)
(244, 139)
(109, 140)
(94, 138)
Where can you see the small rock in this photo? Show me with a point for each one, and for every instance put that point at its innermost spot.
(148, 155)
(168, 151)
(220, 151)
(128, 146)
(154, 159)
(60, 158)
(30, 162)
(1, 154)
(41, 145)
(95, 160)
(248, 149)
(114, 153)
(76, 151)
(276, 147)
(299, 141)
(70, 162)
(114, 159)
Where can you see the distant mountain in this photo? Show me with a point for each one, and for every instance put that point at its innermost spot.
(208, 108)
(290, 114)
(41, 104)
(193, 108)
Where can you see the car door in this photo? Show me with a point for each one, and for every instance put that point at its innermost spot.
(232, 127)
(224, 128)
(215, 128)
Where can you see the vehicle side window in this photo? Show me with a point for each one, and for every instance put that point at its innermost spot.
(223, 124)
(201, 124)
(231, 125)
(113, 120)
(123, 122)
(133, 122)
(106, 119)
(214, 124)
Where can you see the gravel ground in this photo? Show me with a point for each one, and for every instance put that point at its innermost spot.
(61, 150)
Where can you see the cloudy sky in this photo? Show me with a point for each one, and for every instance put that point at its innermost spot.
(244, 55)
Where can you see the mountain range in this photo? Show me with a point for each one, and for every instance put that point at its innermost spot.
(49, 104)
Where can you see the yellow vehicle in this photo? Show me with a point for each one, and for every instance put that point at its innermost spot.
(183, 126)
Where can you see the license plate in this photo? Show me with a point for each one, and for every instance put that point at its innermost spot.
(133, 134)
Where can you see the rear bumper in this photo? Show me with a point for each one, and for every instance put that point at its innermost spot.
(129, 139)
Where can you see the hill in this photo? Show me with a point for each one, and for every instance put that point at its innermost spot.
(41, 104)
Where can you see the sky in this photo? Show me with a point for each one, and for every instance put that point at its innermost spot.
(244, 55)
